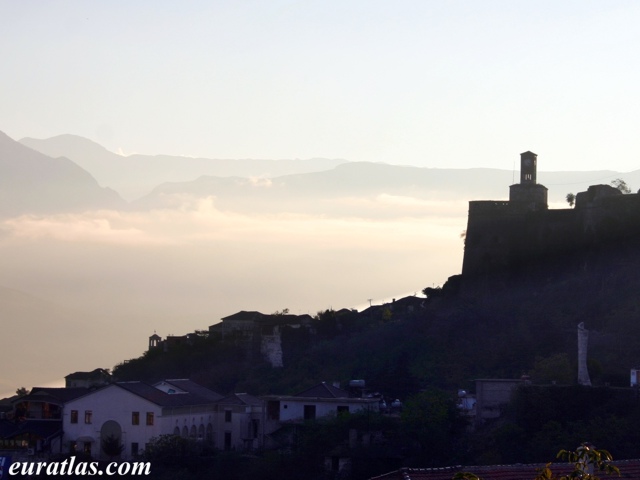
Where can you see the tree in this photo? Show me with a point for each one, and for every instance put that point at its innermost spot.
(166, 448)
(555, 368)
(432, 292)
(22, 391)
(112, 446)
(432, 419)
(571, 199)
(586, 460)
(621, 185)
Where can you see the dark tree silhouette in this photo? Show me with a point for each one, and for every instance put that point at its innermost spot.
(112, 447)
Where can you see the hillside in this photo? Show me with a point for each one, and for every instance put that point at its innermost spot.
(31, 182)
(498, 327)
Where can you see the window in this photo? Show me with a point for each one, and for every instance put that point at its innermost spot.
(342, 409)
(309, 412)
(74, 416)
(87, 416)
(135, 418)
(227, 416)
(87, 448)
(134, 448)
(227, 440)
(149, 418)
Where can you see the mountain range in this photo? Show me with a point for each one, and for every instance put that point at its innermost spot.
(64, 172)
(31, 182)
(307, 235)
(136, 175)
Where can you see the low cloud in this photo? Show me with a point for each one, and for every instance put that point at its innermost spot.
(260, 182)
(126, 274)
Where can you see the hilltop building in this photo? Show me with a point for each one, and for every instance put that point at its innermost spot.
(96, 378)
(515, 235)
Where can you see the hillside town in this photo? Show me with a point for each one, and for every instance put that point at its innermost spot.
(97, 415)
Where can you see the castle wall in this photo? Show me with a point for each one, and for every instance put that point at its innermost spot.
(503, 238)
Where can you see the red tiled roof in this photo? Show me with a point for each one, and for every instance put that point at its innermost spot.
(628, 469)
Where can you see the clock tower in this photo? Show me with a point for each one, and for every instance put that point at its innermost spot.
(528, 167)
(528, 195)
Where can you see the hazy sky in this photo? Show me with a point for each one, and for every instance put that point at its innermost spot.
(429, 83)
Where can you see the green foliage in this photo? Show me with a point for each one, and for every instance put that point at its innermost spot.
(432, 419)
(571, 199)
(164, 446)
(430, 292)
(586, 461)
(466, 476)
(621, 185)
(554, 368)
(546, 419)
(111, 446)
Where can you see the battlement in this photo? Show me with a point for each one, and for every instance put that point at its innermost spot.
(488, 207)
(504, 236)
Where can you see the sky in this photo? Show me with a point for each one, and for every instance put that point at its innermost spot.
(453, 84)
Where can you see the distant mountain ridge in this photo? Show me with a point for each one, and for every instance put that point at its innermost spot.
(329, 192)
(136, 175)
(31, 182)
(315, 186)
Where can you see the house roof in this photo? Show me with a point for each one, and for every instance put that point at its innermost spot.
(244, 316)
(39, 428)
(286, 319)
(163, 399)
(194, 388)
(97, 373)
(240, 399)
(410, 301)
(628, 469)
(52, 394)
(324, 390)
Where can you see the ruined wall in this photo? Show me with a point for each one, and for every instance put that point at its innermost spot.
(271, 347)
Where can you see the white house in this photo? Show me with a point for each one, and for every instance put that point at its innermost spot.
(319, 401)
(135, 412)
(239, 422)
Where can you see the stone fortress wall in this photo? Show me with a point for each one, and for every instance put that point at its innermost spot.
(504, 236)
